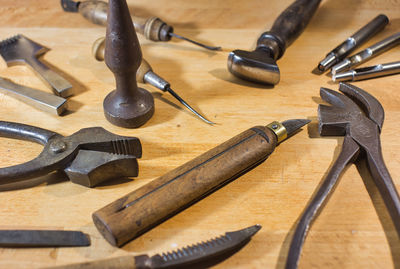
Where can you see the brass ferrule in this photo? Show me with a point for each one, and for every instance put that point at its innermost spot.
(279, 130)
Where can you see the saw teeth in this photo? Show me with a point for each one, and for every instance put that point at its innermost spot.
(9, 41)
(194, 249)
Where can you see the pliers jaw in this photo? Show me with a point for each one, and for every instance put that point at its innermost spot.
(88, 157)
(102, 156)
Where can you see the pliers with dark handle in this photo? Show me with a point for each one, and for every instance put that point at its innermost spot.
(88, 157)
(359, 117)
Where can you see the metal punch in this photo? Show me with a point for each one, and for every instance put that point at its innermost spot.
(368, 53)
(375, 71)
(358, 116)
(354, 41)
(88, 157)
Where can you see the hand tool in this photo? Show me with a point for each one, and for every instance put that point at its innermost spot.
(88, 157)
(20, 49)
(148, 206)
(189, 256)
(368, 72)
(353, 42)
(260, 65)
(145, 74)
(367, 54)
(359, 117)
(152, 28)
(42, 238)
(38, 99)
(128, 105)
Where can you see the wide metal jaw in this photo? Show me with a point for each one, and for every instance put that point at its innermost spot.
(256, 66)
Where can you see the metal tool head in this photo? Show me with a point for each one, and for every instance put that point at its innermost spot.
(199, 253)
(353, 108)
(102, 155)
(88, 157)
(256, 66)
(17, 49)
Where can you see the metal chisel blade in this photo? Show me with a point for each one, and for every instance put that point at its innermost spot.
(202, 252)
(42, 238)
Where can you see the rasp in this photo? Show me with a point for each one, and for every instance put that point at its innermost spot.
(200, 255)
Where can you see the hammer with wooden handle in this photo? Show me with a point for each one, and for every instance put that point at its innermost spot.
(260, 65)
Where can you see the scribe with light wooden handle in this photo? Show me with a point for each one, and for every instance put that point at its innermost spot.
(148, 206)
(152, 28)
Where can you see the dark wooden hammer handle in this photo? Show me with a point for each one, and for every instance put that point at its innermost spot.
(290, 24)
(141, 210)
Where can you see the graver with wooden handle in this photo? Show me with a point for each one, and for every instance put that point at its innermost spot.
(141, 210)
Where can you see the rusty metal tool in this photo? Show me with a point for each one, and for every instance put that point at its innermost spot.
(42, 238)
(368, 72)
(152, 28)
(199, 255)
(260, 65)
(353, 42)
(148, 206)
(367, 54)
(20, 49)
(145, 74)
(88, 157)
(36, 98)
(128, 105)
(359, 117)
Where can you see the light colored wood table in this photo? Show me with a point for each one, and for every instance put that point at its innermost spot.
(352, 231)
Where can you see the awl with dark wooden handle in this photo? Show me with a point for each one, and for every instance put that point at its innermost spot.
(148, 206)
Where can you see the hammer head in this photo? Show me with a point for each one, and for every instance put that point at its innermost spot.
(18, 49)
(348, 111)
(256, 66)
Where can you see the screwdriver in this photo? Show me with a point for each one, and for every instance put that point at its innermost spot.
(145, 74)
(162, 198)
(152, 28)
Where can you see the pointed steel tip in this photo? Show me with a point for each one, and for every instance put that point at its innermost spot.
(293, 125)
(252, 230)
(183, 102)
(246, 233)
(194, 42)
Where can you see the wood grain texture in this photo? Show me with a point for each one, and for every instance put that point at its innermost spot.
(353, 230)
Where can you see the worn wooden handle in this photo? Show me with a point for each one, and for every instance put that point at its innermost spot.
(124, 262)
(290, 24)
(141, 210)
(98, 49)
(96, 12)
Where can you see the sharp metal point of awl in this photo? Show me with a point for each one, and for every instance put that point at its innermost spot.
(194, 42)
(174, 94)
(201, 255)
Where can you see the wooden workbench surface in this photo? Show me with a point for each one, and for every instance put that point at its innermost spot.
(353, 230)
